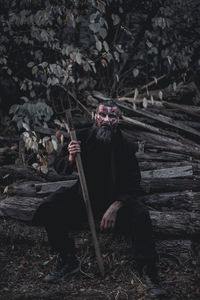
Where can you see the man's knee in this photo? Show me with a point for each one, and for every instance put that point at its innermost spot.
(43, 214)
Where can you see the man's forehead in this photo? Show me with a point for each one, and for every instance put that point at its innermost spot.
(108, 109)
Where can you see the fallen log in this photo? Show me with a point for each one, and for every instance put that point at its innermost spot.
(165, 120)
(192, 124)
(184, 92)
(143, 125)
(178, 250)
(175, 172)
(171, 139)
(20, 208)
(186, 200)
(24, 189)
(47, 188)
(152, 165)
(188, 110)
(191, 111)
(162, 185)
(36, 188)
(18, 232)
(149, 183)
(183, 200)
(7, 156)
(174, 224)
(8, 140)
(175, 140)
(161, 157)
(17, 172)
(151, 142)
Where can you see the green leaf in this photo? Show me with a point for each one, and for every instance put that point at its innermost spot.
(174, 86)
(135, 72)
(93, 17)
(116, 19)
(30, 64)
(116, 54)
(160, 95)
(95, 27)
(78, 58)
(13, 109)
(99, 45)
(26, 126)
(44, 35)
(35, 165)
(103, 32)
(144, 102)
(44, 64)
(25, 99)
(106, 47)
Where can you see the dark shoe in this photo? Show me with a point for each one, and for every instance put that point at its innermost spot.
(151, 279)
(65, 268)
(148, 272)
(155, 288)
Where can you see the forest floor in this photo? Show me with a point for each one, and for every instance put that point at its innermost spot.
(25, 258)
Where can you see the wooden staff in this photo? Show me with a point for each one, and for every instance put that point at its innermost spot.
(86, 198)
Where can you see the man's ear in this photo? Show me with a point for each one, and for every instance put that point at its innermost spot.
(95, 116)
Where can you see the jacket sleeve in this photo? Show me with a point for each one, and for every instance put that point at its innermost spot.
(61, 162)
(130, 177)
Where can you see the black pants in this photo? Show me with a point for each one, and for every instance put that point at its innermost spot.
(65, 210)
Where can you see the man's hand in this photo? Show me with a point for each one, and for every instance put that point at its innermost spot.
(109, 218)
(73, 148)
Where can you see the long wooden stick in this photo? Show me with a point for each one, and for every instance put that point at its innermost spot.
(85, 195)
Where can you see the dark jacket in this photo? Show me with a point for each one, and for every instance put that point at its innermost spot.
(111, 172)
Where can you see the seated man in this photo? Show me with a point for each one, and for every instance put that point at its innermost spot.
(113, 181)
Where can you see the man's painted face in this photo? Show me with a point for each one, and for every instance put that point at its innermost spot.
(107, 116)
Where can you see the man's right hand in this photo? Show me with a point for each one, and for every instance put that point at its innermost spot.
(73, 148)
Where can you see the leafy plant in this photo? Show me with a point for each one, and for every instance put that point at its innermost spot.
(42, 147)
(31, 113)
(105, 45)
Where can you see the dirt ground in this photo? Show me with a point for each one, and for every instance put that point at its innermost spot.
(25, 258)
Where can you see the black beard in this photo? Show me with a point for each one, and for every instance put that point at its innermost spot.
(105, 135)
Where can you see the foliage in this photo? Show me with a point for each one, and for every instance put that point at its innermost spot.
(42, 147)
(31, 113)
(91, 44)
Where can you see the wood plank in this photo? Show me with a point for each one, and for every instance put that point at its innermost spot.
(28, 173)
(192, 111)
(147, 127)
(175, 172)
(161, 185)
(183, 200)
(176, 224)
(163, 119)
(178, 250)
(49, 187)
(161, 157)
(158, 143)
(20, 208)
(152, 165)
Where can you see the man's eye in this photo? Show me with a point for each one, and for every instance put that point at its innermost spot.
(102, 115)
(112, 116)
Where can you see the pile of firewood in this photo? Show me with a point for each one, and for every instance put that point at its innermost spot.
(168, 138)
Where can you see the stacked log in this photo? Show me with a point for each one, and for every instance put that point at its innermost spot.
(169, 157)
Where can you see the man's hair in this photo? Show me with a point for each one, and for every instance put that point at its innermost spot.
(110, 103)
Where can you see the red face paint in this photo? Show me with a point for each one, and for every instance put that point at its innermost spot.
(107, 116)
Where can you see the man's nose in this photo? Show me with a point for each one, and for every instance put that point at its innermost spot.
(107, 119)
